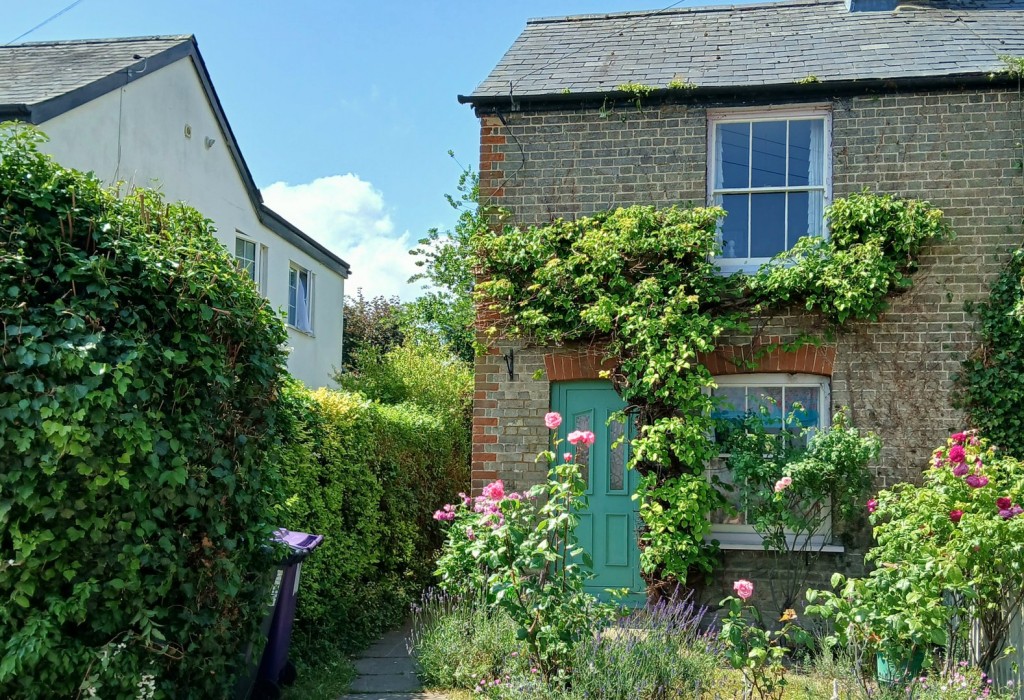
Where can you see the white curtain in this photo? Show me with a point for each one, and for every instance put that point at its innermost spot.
(302, 302)
(816, 177)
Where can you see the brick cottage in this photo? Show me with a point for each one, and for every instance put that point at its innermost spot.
(772, 111)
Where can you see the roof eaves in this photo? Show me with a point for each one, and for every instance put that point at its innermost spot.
(270, 218)
(301, 240)
(845, 86)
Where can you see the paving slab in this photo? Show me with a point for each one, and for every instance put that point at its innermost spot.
(385, 665)
(387, 683)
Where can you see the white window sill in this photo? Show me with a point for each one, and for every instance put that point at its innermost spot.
(751, 542)
(311, 334)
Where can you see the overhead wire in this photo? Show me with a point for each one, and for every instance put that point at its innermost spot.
(46, 21)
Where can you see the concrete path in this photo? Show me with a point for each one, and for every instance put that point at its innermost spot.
(387, 673)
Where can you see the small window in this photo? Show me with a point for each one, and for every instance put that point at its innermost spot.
(245, 257)
(771, 173)
(300, 298)
(792, 402)
(251, 258)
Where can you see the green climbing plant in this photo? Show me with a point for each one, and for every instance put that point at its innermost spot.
(642, 282)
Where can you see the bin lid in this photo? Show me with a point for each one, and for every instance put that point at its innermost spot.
(298, 541)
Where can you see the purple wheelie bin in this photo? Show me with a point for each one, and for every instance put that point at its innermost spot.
(275, 669)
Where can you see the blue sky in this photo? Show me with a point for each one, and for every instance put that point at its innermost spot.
(345, 111)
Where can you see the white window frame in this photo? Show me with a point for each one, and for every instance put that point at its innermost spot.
(766, 114)
(293, 321)
(259, 263)
(744, 537)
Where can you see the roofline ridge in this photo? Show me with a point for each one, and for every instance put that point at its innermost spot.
(111, 40)
(678, 11)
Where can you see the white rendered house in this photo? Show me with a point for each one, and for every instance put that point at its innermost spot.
(143, 111)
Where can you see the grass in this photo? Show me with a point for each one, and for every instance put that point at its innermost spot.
(326, 678)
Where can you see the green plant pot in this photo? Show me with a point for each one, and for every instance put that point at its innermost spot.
(896, 672)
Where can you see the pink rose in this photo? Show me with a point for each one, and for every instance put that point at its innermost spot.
(976, 482)
(961, 470)
(494, 491)
(872, 505)
(955, 515)
(581, 436)
(783, 484)
(744, 588)
(567, 456)
(957, 454)
(443, 515)
(958, 438)
(552, 420)
(1003, 503)
(470, 535)
(1005, 513)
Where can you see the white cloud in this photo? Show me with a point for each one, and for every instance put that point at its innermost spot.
(348, 216)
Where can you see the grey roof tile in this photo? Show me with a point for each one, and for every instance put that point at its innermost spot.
(767, 44)
(34, 72)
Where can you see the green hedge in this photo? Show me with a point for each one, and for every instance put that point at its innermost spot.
(138, 369)
(367, 476)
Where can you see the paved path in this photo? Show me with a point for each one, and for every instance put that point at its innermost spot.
(387, 673)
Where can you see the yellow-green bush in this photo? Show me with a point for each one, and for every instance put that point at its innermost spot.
(367, 476)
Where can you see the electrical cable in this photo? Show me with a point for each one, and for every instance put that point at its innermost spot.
(44, 22)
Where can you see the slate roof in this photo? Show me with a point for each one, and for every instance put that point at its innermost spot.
(35, 72)
(40, 80)
(766, 44)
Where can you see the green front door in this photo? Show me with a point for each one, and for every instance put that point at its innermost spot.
(608, 530)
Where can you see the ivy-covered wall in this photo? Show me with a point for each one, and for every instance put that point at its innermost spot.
(953, 149)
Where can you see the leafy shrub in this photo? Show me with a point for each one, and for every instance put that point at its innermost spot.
(422, 373)
(458, 642)
(655, 652)
(137, 375)
(365, 475)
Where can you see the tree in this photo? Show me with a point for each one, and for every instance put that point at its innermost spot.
(377, 323)
(446, 259)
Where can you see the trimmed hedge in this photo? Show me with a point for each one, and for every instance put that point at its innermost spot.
(138, 370)
(368, 476)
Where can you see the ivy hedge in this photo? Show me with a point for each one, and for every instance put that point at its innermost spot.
(138, 372)
(152, 442)
(367, 475)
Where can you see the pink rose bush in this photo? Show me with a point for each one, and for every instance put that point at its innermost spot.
(958, 534)
(518, 552)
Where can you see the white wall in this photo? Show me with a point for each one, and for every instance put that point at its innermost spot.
(138, 135)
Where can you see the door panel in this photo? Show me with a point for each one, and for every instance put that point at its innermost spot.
(608, 529)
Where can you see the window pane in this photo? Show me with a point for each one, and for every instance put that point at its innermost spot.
(733, 155)
(768, 397)
(734, 227)
(291, 296)
(582, 422)
(731, 402)
(769, 158)
(797, 214)
(768, 224)
(720, 469)
(617, 458)
(800, 152)
(803, 403)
